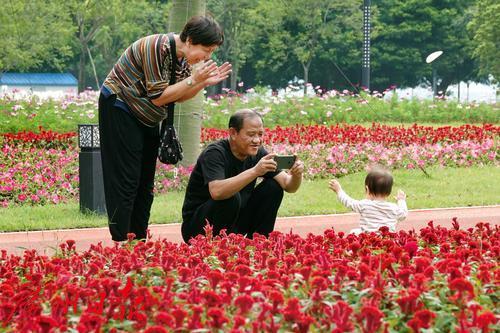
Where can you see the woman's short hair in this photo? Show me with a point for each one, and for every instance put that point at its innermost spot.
(202, 30)
(237, 119)
(379, 181)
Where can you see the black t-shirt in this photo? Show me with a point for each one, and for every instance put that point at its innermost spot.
(217, 162)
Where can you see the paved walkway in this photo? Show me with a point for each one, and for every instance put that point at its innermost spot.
(46, 241)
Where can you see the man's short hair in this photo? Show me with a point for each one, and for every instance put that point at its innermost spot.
(203, 30)
(379, 181)
(237, 119)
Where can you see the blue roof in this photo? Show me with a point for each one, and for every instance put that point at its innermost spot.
(38, 79)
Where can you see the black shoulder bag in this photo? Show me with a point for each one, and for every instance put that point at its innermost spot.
(170, 150)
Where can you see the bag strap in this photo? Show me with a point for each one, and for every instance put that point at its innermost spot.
(173, 57)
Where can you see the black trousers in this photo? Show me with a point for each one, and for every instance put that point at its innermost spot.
(129, 151)
(258, 215)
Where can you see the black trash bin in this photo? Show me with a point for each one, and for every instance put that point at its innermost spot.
(90, 169)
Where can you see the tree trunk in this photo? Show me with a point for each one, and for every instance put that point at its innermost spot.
(306, 76)
(443, 85)
(93, 68)
(234, 77)
(81, 71)
(187, 115)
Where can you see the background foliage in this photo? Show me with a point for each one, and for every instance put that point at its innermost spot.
(268, 42)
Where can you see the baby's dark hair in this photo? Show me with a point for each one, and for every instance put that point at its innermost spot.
(379, 182)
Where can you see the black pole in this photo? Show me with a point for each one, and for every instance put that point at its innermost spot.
(365, 71)
(434, 87)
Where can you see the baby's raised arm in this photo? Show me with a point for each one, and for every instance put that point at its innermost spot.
(335, 185)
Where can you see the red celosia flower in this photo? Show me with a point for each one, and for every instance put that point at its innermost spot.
(46, 323)
(71, 243)
(484, 274)
(218, 317)
(409, 303)
(292, 310)
(238, 321)
(179, 315)
(304, 323)
(184, 273)
(370, 319)
(155, 329)
(7, 311)
(211, 298)
(243, 270)
(165, 319)
(125, 292)
(277, 299)
(90, 322)
(425, 316)
(411, 247)
(215, 277)
(244, 302)
(485, 319)
(404, 276)
(421, 263)
(305, 272)
(463, 287)
(140, 319)
(340, 315)
(195, 320)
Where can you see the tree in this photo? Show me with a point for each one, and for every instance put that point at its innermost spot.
(233, 15)
(485, 27)
(34, 35)
(89, 17)
(304, 37)
(187, 116)
(409, 30)
(135, 19)
(311, 27)
(270, 57)
(342, 47)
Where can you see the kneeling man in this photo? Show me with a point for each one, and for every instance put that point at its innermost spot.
(222, 191)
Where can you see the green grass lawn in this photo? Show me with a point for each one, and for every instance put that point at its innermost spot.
(448, 187)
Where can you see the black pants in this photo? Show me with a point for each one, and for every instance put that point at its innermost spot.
(128, 151)
(257, 216)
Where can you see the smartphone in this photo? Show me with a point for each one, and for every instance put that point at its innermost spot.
(284, 161)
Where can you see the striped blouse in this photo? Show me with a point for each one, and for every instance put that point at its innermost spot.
(141, 74)
(375, 213)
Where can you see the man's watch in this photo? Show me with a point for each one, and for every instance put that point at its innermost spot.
(189, 82)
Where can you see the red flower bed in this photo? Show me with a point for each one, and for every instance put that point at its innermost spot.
(302, 134)
(42, 139)
(377, 133)
(444, 279)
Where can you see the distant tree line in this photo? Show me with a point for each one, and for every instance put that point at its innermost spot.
(269, 42)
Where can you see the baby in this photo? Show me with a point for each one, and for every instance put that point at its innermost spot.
(375, 211)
